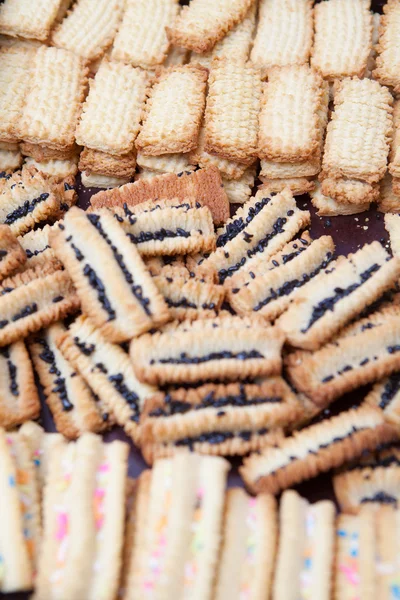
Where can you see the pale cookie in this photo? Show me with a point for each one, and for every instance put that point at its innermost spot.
(142, 39)
(343, 38)
(236, 417)
(195, 355)
(32, 300)
(203, 23)
(74, 407)
(233, 105)
(316, 449)
(388, 59)
(338, 295)
(350, 191)
(15, 69)
(40, 445)
(84, 506)
(284, 34)
(41, 152)
(358, 136)
(297, 185)
(239, 190)
(53, 103)
(54, 168)
(392, 226)
(272, 293)
(286, 170)
(19, 400)
(329, 207)
(204, 186)
(183, 503)
(108, 371)
(113, 110)
(249, 546)
(365, 354)
(306, 548)
(173, 111)
(89, 29)
(37, 248)
(394, 156)
(386, 395)
(29, 20)
(10, 160)
(106, 182)
(165, 163)
(12, 255)
(96, 163)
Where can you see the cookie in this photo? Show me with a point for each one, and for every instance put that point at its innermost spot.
(75, 408)
(261, 227)
(88, 30)
(176, 56)
(84, 506)
(165, 163)
(176, 528)
(112, 282)
(37, 249)
(306, 548)
(141, 39)
(15, 68)
(172, 121)
(338, 295)
(239, 190)
(350, 191)
(233, 105)
(107, 370)
(106, 182)
(374, 481)
(234, 417)
(53, 103)
(12, 255)
(55, 168)
(386, 395)
(387, 61)
(113, 110)
(40, 446)
(284, 34)
(316, 449)
(29, 20)
(249, 546)
(392, 225)
(272, 170)
(32, 300)
(187, 357)
(272, 293)
(394, 156)
(96, 163)
(201, 25)
(204, 186)
(329, 207)
(335, 54)
(297, 185)
(41, 152)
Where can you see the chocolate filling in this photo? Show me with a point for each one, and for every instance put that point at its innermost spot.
(129, 396)
(25, 312)
(30, 253)
(185, 303)
(392, 387)
(365, 361)
(12, 371)
(27, 207)
(235, 227)
(184, 359)
(160, 235)
(137, 290)
(60, 387)
(98, 285)
(86, 349)
(218, 437)
(340, 293)
(381, 497)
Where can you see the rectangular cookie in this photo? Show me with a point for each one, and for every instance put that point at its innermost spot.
(350, 191)
(29, 19)
(306, 548)
(284, 34)
(88, 29)
(40, 446)
(232, 110)
(55, 168)
(12, 255)
(176, 528)
(392, 226)
(165, 163)
(173, 111)
(297, 185)
(107, 370)
(53, 103)
(388, 61)
(141, 39)
(94, 162)
(316, 449)
(261, 227)
(368, 352)
(358, 136)
(75, 408)
(190, 356)
(203, 23)
(10, 160)
(338, 295)
(386, 395)
(250, 537)
(329, 207)
(204, 186)
(113, 110)
(32, 300)
(84, 510)
(112, 282)
(238, 418)
(36, 246)
(336, 53)
(394, 156)
(272, 293)
(15, 69)
(19, 400)
(41, 152)
(290, 123)
(106, 182)
(239, 190)
(289, 170)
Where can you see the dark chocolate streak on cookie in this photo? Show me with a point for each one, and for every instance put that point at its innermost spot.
(27, 207)
(160, 235)
(381, 497)
(137, 290)
(329, 303)
(86, 349)
(12, 371)
(25, 312)
(365, 361)
(184, 359)
(30, 253)
(130, 397)
(218, 437)
(60, 388)
(288, 287)
(392, 387)
(185, 303)
(233, 229)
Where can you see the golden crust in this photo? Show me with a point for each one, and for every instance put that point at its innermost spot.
(239, 190)
(29, 20)
(296, 185)
(101, 163)
(350, 191)
(388, 59)
(41, 152)
(392, 225)
(12, 255)
(329, 207)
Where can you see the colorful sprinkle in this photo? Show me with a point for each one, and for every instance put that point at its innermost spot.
(11, 481)
(62, 525)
